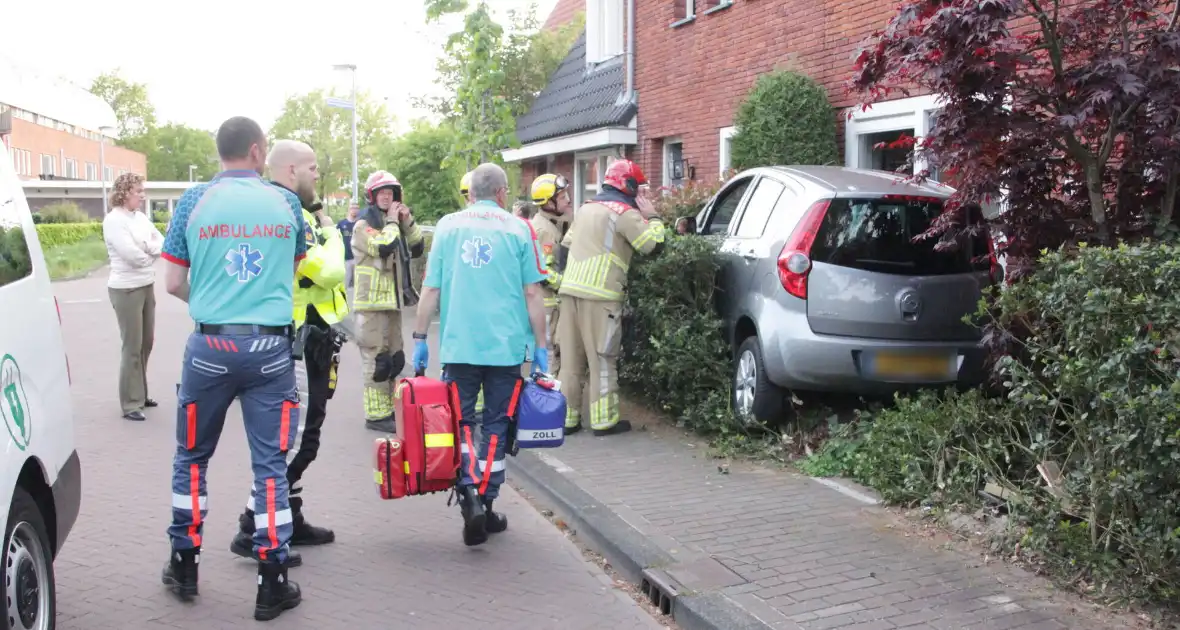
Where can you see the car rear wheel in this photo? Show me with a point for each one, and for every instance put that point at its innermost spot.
(29, 590)
(755, 399)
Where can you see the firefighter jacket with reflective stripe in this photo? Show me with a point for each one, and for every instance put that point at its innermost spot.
(602, 240)
(549, 228)
(382, 282)
(324, 266)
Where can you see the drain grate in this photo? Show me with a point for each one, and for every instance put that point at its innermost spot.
(656, 588)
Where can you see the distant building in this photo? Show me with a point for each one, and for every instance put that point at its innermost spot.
(52, 130)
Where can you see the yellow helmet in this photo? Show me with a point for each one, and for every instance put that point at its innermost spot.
(546, 187)
(465, 184)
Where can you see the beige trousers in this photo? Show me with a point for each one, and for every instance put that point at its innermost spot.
(135, 310)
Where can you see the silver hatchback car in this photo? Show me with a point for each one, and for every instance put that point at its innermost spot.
(823, 287)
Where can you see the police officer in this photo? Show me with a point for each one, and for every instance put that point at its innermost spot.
(384, 240)
(551, 195)
(320, 303)
(234, 245)
(605, 234)
(483, 270)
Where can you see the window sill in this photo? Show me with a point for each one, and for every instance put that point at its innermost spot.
(724, 5)
(683, 21)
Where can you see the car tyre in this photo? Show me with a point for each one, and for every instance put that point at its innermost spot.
(30, 598)
(755, 398)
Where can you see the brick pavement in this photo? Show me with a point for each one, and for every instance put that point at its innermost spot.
(395, 564)
(804, 555)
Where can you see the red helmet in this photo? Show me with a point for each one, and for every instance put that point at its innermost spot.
(379, 180)
(626, 176)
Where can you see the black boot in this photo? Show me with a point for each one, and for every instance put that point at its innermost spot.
(474, 516)
(243, 542)
(305, 533)
(384, 425)
(180, 574)
(494, 522)
(622, 426)
(574, 429)
(275, 593)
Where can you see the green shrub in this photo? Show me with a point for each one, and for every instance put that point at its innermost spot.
(785, 119)
(58, 234)
(64, 212)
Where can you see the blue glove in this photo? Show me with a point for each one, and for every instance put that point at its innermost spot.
(541, 360)
(421, 355)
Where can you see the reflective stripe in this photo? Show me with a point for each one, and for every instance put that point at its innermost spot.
(653, 233)
(497, 466)
(282, 517)
(194, 528)
(185, 502)
(551, 302)
(439, 440)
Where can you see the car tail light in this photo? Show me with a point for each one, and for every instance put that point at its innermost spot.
(794, 262)
(63, 341)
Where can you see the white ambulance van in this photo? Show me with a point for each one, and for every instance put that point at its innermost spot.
(40, 474)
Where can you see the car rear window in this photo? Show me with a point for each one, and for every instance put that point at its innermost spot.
(878, 235)
(15, 260)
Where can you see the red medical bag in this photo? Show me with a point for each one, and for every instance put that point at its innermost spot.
(424, 457)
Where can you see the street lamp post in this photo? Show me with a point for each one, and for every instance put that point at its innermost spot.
(102, 163)
(352, 105)
(191, 168)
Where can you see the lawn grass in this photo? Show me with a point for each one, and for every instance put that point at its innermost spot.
(70, 261)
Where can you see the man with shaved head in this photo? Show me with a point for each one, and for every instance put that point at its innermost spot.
(319, 303)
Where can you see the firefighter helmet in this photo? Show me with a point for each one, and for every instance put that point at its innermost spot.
(546, 187)
(465, 184)
(626, 176)
(379, 180)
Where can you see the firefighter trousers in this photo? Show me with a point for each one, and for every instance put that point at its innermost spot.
(259, 371)
(482, 466)
(380, 333)
(317, 361)
(552, 317)
(590, 333)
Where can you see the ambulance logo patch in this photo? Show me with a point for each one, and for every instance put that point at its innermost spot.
(243, 262)
(477, 252)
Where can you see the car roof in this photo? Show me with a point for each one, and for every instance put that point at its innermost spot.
(853, 181)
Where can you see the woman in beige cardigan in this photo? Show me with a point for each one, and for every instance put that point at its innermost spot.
(133, 245)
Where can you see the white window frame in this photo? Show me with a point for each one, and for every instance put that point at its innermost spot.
(91, 172)
(690, 9)
(896, 115)
(604, 158)
(666, 158)
(52, 164)
(604, 30)
(70, 168)
(724, 150)
(108, 174)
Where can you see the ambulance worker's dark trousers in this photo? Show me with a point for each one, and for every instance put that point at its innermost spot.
(317, 358)
(258, 370)
(482, 462)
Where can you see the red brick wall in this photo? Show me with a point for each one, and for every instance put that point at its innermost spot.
(690, 79)
(563, 12)
(563, 164)
(38, 139)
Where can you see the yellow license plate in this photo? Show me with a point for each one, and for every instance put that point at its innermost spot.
(914, 366)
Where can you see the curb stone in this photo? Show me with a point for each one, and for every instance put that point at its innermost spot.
(627, 549)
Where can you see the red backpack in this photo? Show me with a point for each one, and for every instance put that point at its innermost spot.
(424, 457)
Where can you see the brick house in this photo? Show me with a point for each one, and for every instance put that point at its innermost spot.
(694, 62)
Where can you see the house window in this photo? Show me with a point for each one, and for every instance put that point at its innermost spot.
(108, 174)
(22, 162)
(684, 9)
(48, 165)
(725, 150)
(91, 172)
(71, 168)
(604, 30)
(589, 169)
(674, 165)
(885, 122)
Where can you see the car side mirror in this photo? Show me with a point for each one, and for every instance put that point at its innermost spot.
(686, 225)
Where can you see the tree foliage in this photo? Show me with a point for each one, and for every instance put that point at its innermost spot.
(308, 118)
(133, 108)
(415, 158)
(785, 119)
(1067, 111)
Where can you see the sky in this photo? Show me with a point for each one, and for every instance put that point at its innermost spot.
(238, 57)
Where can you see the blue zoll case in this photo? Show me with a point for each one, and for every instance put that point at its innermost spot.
(540, 419)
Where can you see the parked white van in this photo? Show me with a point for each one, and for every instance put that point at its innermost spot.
(40, 474)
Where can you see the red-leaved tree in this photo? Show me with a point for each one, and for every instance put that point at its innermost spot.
(1065, 111)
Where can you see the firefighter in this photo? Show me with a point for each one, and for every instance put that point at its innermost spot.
(465, 188)
(240, 348)
(320, 303)
(551, 195)
(383, 242)
(605, 234)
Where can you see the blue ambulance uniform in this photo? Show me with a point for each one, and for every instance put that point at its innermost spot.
(241, 238)
(480, 260)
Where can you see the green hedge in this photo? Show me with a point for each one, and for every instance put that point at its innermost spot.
(61, 234)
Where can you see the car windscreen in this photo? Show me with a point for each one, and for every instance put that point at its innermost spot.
(879, 235)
